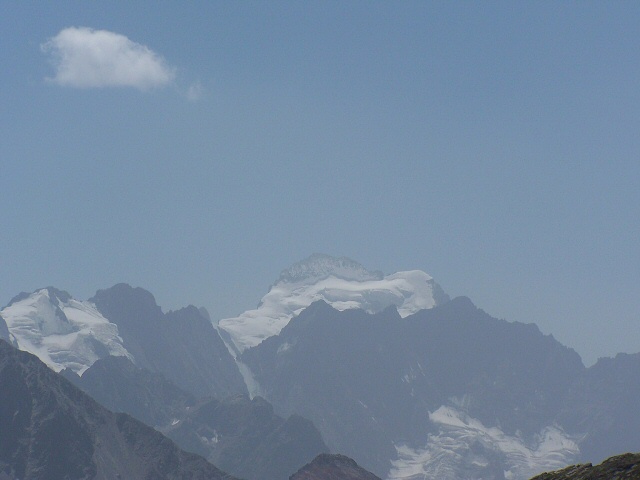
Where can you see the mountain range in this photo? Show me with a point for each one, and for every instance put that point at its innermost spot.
(445, 389)
(386, 369)
(170, 370)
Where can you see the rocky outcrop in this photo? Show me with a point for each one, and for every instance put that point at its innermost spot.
(4, 331)
(333, 467)
(621, 467)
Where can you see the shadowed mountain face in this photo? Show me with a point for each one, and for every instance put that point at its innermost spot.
(621, 467)
(182, 345)
(246, 438)
(372, 383)
(120, 386)
(333, 467)
(239, 435)
(50, 429)
(4, 331)
(603, 406)
(66, 333)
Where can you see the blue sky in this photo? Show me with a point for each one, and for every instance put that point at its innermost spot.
(493, 145)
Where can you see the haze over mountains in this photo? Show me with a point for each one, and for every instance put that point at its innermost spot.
(383, 368)
(50, 430)
(180, 379)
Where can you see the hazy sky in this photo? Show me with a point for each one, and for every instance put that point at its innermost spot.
(196, 149)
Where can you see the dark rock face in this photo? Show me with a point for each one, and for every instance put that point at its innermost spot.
(602, 405)
(332, 467)
(182, 345)
(50, 429)
(246, 438)
(4, 331)
(241, 436)
(43, 435)
(621, 467)
(368, 381)
(120, 386)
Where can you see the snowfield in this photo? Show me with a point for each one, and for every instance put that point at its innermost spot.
(61, 331)
(464, 446)
(342, 283)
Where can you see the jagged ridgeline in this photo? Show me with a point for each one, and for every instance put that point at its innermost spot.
(66, 333)
(337, 358)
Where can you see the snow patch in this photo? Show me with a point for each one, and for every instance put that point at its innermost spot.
(285, 347)
(342, 283)
(249, 380)
(62, 332)
(211, 442)
(464, 448)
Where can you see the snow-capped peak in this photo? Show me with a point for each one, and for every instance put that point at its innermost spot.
(319, 266)
(61, 331)
(342, 283)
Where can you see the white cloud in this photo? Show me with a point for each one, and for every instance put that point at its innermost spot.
(87, 58)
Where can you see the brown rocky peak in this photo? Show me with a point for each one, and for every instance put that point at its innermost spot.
(332, 467)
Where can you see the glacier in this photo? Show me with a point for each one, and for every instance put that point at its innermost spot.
(463, 447)
(61, 331)
(342, 283)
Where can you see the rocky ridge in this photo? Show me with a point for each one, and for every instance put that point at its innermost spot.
(333, 467)
(50, 429)
(620, 467)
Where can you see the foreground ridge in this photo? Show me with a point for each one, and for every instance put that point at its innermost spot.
(333, 467)
(621, 467)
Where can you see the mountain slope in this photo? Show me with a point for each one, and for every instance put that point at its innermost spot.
(246, 438)
(241, 436)
(182, 345)
(332, 467)
(61, 331)
(50, 429)
(371, 383)
(120, 386)
(341, 282)
(602, 405)
(66, 333)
